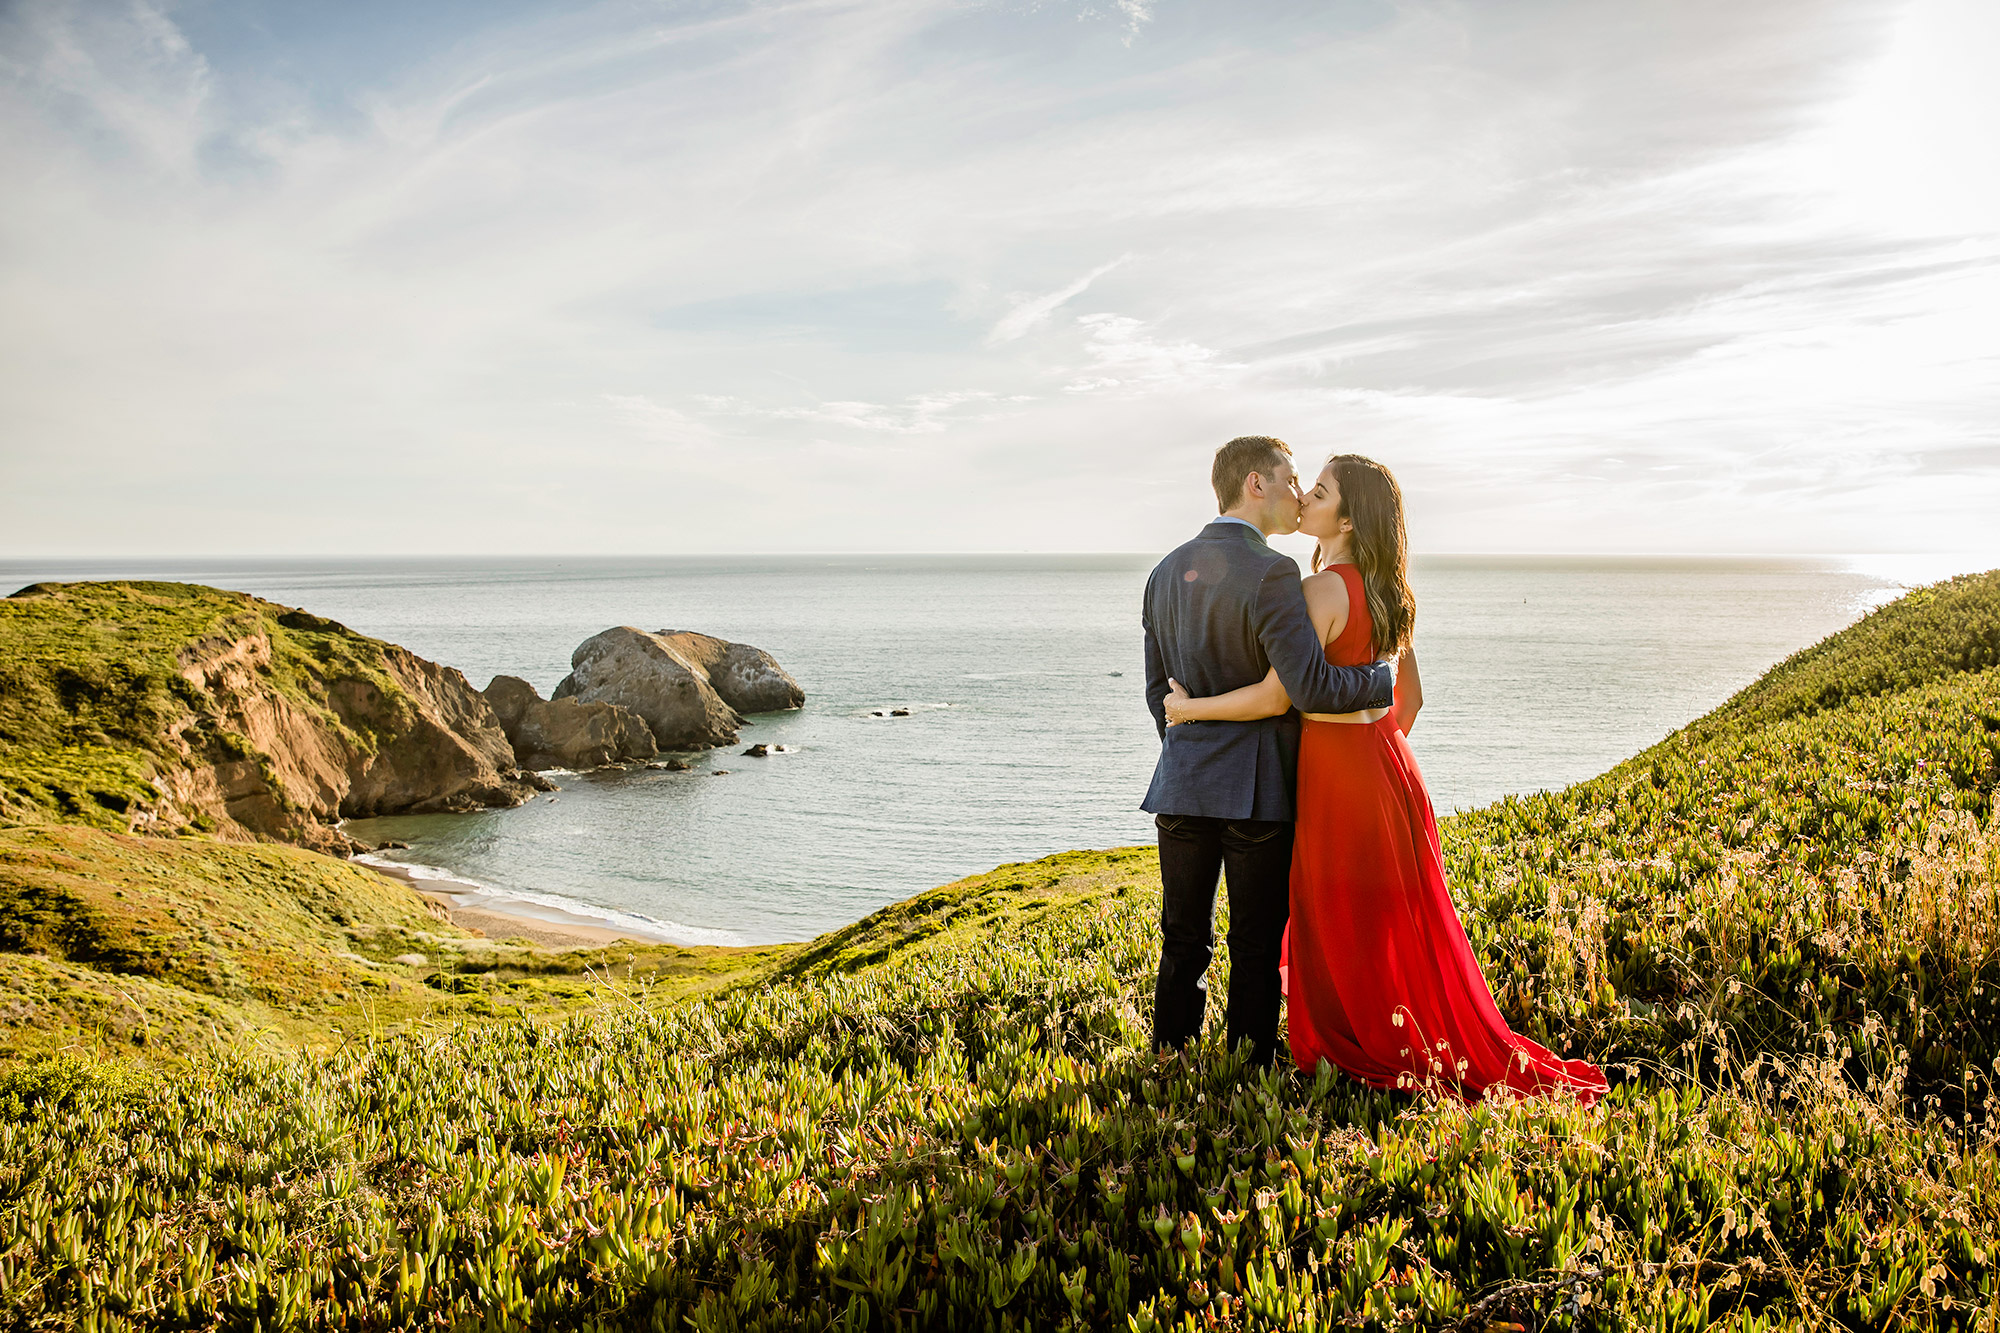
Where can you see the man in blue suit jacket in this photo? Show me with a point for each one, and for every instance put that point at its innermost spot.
(1220, 612)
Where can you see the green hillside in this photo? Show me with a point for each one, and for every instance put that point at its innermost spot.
(1778, 929)
(182, 950)
(164, 708)
(174, 945)
(1948, 629)
(94, 704)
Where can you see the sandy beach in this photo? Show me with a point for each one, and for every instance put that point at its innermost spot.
(500, 925)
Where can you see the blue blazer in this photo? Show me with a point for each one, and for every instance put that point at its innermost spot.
(1220, 612)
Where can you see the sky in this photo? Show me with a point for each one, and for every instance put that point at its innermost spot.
(1689, 276)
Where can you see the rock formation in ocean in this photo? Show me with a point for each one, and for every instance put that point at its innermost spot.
(691, 689)
(169, 707)
(566, 733)
(748, 679)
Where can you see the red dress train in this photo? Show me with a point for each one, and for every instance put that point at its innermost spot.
(1379, 977)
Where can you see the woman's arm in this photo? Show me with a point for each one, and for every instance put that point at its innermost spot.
(1267, 698)
(1326, 603)
(1409, 691)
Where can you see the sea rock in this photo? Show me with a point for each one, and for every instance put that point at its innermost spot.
(758, 751)
(690, 689)
(566, 733)
(748, 679)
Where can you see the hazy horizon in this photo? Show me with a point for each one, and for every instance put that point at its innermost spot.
(1909, 567)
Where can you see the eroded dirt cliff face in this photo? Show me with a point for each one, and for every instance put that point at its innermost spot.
(448, 753)
(168, 707)
(252, 758)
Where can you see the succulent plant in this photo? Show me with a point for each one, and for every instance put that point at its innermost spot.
(1781, 932)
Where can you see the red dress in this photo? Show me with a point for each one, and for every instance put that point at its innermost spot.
(1380, 979)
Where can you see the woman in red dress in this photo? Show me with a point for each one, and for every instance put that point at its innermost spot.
(1380, 979)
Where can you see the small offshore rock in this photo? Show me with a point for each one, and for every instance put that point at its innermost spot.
(899, 712)
(566, 733)
(719, 773)
(1117, 673)
(758, 751)
(392, 846)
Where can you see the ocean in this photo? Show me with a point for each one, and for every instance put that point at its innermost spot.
(1027, 732)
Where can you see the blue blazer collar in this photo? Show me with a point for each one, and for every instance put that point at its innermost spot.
(1220, 531)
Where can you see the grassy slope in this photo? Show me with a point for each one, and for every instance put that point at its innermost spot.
(1771, 873)
(1948, 629)
(1780, 931)
(183, 948)
(91, 686)
(1010, 900)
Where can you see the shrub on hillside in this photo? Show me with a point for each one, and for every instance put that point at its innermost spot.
(1925, 635)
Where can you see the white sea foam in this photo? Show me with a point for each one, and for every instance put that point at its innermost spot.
(555, 908)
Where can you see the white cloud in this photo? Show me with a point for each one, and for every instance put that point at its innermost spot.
(923, 414)
(1123, 353)
(1657, 275)
(1030, 311)
(1137, 14)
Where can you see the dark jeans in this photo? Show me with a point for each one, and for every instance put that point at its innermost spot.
(1255, 857)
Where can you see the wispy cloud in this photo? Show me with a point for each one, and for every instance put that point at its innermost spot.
(923, 414)
(1030, 311)
(1137, 14)
(1124, 353)
(1648, 274)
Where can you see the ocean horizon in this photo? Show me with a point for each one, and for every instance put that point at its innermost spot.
(1027, 732)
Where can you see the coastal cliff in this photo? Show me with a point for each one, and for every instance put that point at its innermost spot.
(166, 707)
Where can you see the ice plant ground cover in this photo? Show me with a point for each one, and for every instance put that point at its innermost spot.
(1779, 929)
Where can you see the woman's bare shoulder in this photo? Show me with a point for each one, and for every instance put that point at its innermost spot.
(1325, 588)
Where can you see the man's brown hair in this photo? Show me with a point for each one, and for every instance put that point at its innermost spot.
(1235, 461)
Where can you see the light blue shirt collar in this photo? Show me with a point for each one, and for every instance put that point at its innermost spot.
(1231, 518)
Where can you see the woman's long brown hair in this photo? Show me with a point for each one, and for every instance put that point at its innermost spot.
(1371, 498)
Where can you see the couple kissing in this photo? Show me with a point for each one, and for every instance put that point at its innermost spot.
(1283, 707)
